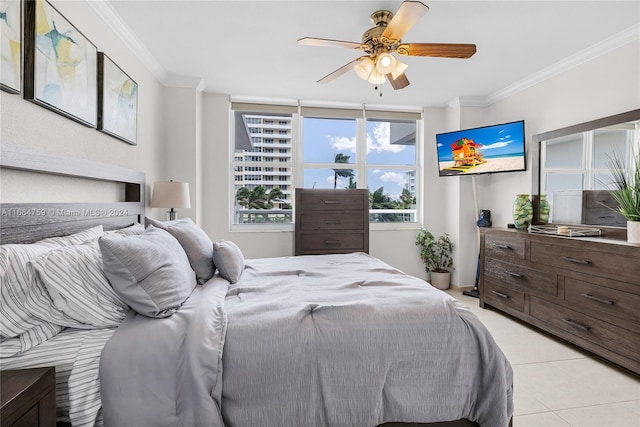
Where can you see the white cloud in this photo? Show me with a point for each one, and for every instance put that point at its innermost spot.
(342, 143)
(381, 140)
(394, 178)
(496, 145)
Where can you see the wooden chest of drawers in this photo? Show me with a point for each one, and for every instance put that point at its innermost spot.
(28, 397)
(584, 290)
(331, 221)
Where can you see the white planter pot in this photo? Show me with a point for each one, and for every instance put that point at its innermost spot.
(440, 280)
(633, 232)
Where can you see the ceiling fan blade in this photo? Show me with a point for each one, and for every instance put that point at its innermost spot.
(399, 82)
(443, 50)
(312, 41)
(407, 15)
(340, 71)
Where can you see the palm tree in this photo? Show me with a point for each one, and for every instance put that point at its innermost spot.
(344, 173)
(257, 198)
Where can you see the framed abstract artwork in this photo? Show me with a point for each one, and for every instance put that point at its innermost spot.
(11, 45)
(117, 101)
(59, 64)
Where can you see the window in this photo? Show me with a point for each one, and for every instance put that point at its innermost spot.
(256, 200)
(324, 148)
(375, 151)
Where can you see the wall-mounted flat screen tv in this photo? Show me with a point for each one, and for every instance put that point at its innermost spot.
(487, 149)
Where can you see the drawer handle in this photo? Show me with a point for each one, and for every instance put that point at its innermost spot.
(603, 301)
(332, 202)
(501, 246)
(577, 261)
(332, 242)
(515, 274)
(332, 221)
(576, 325)
(501, 295)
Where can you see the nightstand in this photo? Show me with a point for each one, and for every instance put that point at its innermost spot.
(28, 397)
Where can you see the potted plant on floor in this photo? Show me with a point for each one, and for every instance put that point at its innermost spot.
(625, 190)
(436, 256)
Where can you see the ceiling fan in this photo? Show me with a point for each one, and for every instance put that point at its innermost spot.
(379, 42)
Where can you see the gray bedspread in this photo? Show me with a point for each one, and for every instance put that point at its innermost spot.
(331, 340)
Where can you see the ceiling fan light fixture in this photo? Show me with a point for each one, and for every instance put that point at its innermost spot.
(386, 63)
(376, 78)
(364, 68)
(399, 69)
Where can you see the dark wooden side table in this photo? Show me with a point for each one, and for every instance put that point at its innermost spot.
(28, 397)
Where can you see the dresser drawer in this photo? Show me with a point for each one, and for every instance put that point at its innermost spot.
(599, 332)
(527, 279)
(504, 246)
(501, 296)
(589, 261)
(332, 221)
(331, 242)
(335, 200)
(612, 302)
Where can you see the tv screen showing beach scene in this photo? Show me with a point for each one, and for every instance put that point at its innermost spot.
(488, 149)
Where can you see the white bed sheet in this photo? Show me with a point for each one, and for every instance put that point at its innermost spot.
(75, 354)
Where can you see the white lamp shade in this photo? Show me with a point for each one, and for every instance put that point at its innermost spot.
(386, 63)
(399, 69)
(364, 67)
(170, 194)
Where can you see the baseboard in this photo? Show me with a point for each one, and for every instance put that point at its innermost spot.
(461, 288)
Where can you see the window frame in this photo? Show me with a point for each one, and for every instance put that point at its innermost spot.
(361, 114)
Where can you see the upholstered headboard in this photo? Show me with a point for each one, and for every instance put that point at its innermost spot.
(29, 222)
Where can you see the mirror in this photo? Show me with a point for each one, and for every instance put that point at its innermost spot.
(571, 169)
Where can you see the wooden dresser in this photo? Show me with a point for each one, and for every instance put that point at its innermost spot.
(28, 397)
(585, 290)
(331, 221)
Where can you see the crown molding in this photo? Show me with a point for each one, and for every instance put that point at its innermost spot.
(112, 20)
(186, 82)
(616, 41)
(605, 46)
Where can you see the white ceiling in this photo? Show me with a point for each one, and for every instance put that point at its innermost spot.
(249, 48)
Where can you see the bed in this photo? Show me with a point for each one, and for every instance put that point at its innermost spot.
(312, 340)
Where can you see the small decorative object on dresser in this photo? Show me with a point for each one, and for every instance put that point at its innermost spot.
(331, 221)
(626, 192)
(585, 290)
(522, 212)
(436, 256)
(544, 209)
(28, 397)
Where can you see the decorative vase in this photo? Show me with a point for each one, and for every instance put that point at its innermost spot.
(440, 280)
(522, 212)
(633, 232)
(544, 209)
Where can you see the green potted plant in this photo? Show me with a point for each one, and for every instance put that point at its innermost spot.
(625, 190)
(436, 256)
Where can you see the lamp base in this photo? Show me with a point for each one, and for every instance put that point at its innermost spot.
(171, 215)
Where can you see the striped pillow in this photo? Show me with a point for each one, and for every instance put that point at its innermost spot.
(20, 313)
(78, 287)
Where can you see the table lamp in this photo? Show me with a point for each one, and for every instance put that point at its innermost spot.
(170, 194)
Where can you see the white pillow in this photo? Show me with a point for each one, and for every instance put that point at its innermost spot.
(78, 287)
(195, 242)
(23, 302)
(149, 271)
(229, 260)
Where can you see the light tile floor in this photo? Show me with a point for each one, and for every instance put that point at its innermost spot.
(557, 384)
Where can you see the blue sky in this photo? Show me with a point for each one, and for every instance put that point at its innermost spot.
(324, 138)
(497, 141)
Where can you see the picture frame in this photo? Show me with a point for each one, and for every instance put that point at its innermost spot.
(117, 101)
(11, 46)
(59, 64)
